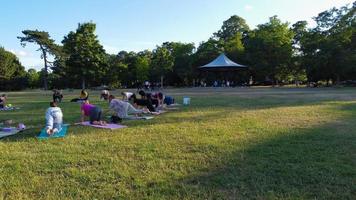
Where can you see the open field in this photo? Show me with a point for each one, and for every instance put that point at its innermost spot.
(237, 143)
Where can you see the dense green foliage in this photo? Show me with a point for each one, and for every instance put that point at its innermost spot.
(276, 52)
(269, 49)
(12, 73)
(85, 57)
(249, 143)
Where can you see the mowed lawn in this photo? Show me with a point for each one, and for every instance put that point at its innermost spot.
(238, 143)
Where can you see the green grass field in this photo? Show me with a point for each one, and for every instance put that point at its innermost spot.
(242, 143)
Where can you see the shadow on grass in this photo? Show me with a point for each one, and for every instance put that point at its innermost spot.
(313, 163)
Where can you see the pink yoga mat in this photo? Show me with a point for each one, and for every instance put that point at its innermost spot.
(108, 126)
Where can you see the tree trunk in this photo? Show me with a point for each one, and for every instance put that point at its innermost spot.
(83, 83)
(338, 79)
(161, 82)
(45, 75)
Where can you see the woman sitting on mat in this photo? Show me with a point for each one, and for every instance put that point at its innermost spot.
(54, 119)
(93, 112)
(83, 97)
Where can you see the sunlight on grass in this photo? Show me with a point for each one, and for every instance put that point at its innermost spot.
(265, 148)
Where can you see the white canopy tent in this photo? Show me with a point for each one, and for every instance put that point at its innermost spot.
(222, 63)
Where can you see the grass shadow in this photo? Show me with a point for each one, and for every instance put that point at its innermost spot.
(313, 163)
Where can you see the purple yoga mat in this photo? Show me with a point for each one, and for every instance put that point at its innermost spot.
(108, 126)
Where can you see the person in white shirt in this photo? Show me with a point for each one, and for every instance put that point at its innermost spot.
(54, 119)
(126, 95)
(121, 108)
(104, 95)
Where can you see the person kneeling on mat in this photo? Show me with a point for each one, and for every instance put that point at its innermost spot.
(104, 95)
(93, 112)
(143, 102)
(168, 100)
(83, 97)
(121, 109)
(54, 119)
(3, 99)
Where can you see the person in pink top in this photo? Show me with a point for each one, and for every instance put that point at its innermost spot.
(93, 112)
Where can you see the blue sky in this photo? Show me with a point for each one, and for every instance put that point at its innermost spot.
(135, 25)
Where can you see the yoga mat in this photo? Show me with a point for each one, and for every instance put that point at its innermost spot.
(9, 108)
(139, 117)
(162, 111)
(173, 105)
(43, 134)
(108, 126)
(171, 108)
(8, 133)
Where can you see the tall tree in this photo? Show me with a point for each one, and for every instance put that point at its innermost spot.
(328, 49)
(33, 78)
(118, 71)
(47, 47)
(298, 66)
(182, 71)
(9, 64)
(162, 63)
(231, 27)
(12, 73)
(269, 49)
(142, 65)
(86, 59)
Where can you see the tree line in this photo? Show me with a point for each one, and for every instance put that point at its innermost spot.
(275, 52)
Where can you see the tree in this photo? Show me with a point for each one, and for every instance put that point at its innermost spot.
(161, 63)
(235, 49)
(118, 71)
(33, 78)
(328, 50)
(231, 27)
(47, 47)
(182, 70)
(269, 50)
(298, 66)
(86, 59)
(12, 73)
(142, 65)
(9, 64)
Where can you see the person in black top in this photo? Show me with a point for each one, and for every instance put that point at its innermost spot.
(57, 96)
(3, 100)
(144, 101)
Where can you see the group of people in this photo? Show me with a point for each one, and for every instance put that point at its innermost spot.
(223, 83)
(149, 103)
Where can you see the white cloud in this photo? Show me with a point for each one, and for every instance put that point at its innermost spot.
(23, 53)
(129, 46)
(111, 49)
(248, 7)
(20, 53)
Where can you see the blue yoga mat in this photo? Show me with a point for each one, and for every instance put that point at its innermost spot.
(62, 133)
